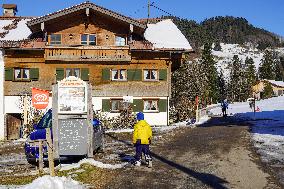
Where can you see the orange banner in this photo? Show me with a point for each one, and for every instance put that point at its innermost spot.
(40, 98)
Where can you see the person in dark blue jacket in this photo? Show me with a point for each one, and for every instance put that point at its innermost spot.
(224, 106)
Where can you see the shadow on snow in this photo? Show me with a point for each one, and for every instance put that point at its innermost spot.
(264, 122)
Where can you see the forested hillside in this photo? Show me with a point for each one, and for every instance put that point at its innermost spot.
(225, 30)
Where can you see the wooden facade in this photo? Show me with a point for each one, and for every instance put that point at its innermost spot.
(91, 42)
(258, 88)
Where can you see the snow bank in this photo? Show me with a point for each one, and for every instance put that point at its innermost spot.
(119, 131)
(92, 162)
(48, 182)
(165, 34)
(202, 120)
(10, 186)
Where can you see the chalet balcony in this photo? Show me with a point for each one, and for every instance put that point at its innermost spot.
(97, 54)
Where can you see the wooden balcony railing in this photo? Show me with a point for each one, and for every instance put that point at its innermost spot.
(92, 55)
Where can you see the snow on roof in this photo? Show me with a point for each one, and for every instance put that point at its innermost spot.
(4, 23)
(277, 83)
(19, 33)
(165, 34)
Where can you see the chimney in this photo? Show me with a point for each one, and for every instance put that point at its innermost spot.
(9, 10)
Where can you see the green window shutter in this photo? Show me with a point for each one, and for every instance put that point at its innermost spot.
(163, 74)
(137, 105)
(163, 105)
(106, 74)
(59, 74)
(34, 74)
(134, 75)
(9, 74)
(106, 105)
(85, 74)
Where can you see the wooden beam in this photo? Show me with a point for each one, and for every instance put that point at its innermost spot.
(85, 6)
(40, 159)
(42, 26)
(90, 123)
(88, 12)
(50, 152)
(131, 28)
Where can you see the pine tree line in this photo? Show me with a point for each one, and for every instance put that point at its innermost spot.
(201, 78)
(271, 67)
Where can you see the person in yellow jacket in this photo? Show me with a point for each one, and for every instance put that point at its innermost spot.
(142, 137)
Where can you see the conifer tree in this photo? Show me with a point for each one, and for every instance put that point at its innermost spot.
(222, 86)
(211, 74)
(217, 46)
(279, 71)
(235, 79)
(266, 69)
(250, 74)
(188, 82)
(267, 91)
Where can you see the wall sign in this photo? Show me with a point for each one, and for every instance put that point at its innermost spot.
(40, 98)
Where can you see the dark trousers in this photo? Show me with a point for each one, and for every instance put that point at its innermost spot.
(142, 148)
(224, 112)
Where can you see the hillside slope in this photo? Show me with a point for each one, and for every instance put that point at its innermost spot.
(225, 30)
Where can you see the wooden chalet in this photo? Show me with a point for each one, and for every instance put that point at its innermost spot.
(100, 46)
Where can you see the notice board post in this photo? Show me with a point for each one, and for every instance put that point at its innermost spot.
(72, 115)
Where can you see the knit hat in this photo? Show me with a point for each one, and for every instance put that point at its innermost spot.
(140, 116)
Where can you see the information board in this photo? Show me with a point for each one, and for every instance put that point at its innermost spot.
(73, 137)
(72, 96)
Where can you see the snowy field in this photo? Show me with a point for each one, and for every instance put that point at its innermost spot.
(268, 127)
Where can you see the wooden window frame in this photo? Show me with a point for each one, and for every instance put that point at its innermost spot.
(154, 80)
(119, 108)
(22, 72)
(151, 99)
(50, 41)
(121, 36)
(72, 72)
(88, 39)
(119, 70)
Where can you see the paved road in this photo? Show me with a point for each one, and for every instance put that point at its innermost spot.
(215, 155)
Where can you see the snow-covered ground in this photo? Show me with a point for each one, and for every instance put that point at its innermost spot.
(65, 167)
(268, 127)
(48, 182)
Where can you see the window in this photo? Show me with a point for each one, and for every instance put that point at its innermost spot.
(88, 39)
(22, 74)
(120, 41)
(116, 105)
(150, 105)
(72, 72)
(55, 39)
(150, 75)
(118, 75)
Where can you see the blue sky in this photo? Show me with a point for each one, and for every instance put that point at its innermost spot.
(267, 14)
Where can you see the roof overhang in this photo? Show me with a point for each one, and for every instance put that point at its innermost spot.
(82, 6)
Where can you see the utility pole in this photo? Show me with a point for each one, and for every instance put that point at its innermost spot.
(149, 4)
